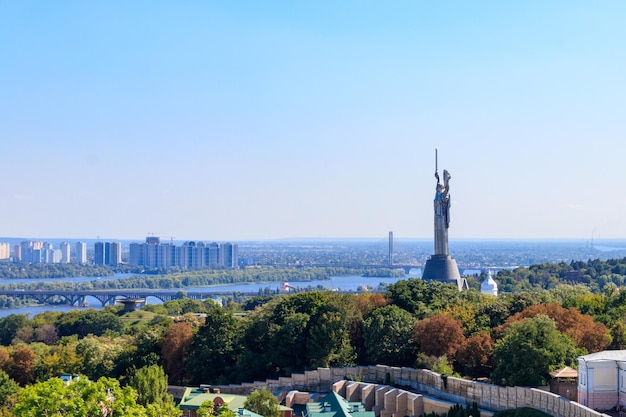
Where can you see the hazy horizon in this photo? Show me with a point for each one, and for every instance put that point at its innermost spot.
(321, 239)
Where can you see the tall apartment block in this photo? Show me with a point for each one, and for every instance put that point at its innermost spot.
(81, 252)
(17, 253)
(38, 253)
(107, 253)
(155, 254)
(64, 247)
(31, 251)
(228, 255)
(5, 251)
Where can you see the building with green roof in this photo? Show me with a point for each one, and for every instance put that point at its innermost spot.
(334, 405)
(193, 398)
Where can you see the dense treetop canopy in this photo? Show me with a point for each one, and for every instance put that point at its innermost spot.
(412, 323)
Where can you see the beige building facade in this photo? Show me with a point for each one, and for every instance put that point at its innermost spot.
(602, 380)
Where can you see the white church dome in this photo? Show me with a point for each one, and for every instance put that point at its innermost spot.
(489, 286)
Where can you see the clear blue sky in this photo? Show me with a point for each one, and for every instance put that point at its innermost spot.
(241, 120)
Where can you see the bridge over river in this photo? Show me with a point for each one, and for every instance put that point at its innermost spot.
(108, 297)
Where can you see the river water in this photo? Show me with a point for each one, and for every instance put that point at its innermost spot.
(7, 281)
(349, 283)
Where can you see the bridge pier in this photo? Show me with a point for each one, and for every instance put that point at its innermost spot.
(76, 300)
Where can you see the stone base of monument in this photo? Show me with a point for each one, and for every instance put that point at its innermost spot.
(443, 268)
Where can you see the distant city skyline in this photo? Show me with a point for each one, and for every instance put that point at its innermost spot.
(272, 120)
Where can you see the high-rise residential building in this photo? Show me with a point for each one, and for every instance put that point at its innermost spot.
(46, 255)
(31, 251)
(17, 253)
(214, 255)
(99, 253)
(81, 252)
(64, 247)
(41, 252)
(5, 251)
(190, 254)
(107, 253)
(228, 254)
(115, 253)
(187, 255)
(55, 256)
(37, 255)
(153, 253)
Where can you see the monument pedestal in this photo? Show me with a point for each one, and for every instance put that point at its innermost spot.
(443, 268)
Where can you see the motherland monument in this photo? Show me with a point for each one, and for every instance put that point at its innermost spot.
(441, 266)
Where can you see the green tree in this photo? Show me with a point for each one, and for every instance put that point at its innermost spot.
(141, 352)
(492, 314)
(421, 298)
(529, 350)
(388, 337)
(618, 335)
(59, 359)
(150, 382)
(290, 343)
(297, 332)
(329, 343)
(184, 305)
(263, 402)
(82, 398)
(83, 323)
(8, 388)
(214, 348)
(100, 354)
(442, 366)
(9, 326)
(208, 409)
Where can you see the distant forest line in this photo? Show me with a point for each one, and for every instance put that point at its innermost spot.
(596, 274)
(178, 279)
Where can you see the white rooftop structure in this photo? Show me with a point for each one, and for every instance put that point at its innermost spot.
(605, 355)
(489, 285)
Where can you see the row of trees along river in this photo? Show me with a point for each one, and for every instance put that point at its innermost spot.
(595, 274)
(596, 271)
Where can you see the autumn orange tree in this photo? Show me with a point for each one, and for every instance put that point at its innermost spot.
(475, 352)
(581, 328)
(174, 347)
(22, 368)
(439, 335)
(368, 302)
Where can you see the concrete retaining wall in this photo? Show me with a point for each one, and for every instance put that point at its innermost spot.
(387, 401)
